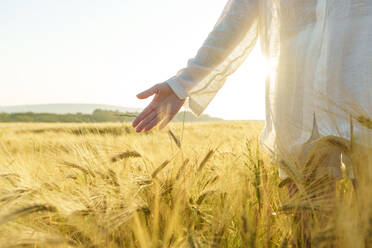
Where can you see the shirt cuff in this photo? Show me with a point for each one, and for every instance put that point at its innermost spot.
(176, 86)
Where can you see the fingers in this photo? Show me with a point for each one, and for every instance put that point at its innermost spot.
(148, 93)
(147, 120)
(153, 123)
(152, 120)
(163, 106)
(144, 113)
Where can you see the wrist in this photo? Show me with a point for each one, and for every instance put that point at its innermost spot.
(177, 88)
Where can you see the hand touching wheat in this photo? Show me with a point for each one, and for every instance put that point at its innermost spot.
(163, 107)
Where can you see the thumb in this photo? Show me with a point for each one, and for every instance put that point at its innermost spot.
(145, 94)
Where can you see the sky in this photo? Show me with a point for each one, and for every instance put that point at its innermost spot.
(107, 51)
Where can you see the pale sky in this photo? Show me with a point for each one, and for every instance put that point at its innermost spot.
(107, 51)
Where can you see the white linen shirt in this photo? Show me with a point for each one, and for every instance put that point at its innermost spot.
(320, 57)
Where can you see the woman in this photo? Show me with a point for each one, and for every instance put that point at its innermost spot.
(320, 58)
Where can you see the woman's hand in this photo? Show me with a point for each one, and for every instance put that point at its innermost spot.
(163, 107)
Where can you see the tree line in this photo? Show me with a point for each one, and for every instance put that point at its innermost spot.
(98, 115)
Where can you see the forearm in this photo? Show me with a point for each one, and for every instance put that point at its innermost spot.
(228, 32)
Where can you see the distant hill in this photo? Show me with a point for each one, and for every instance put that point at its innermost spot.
(64, 108)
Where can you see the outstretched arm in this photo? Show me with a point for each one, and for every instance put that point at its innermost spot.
(226, 47)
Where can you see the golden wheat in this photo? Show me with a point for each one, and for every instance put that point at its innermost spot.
(103, 185)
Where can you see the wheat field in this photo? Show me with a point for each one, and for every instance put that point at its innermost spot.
(192, 185)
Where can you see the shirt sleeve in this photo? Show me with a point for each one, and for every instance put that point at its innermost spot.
(225, 48)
